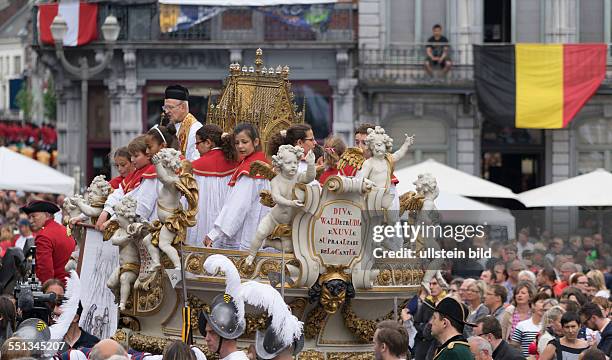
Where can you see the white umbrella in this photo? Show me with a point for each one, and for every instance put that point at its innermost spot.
(20, 172)
(451, 180)
(591, 189)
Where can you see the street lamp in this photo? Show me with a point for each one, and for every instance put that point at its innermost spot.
(110, 32)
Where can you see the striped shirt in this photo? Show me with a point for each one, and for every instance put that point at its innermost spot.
(525, 333)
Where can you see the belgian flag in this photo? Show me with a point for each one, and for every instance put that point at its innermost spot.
(538, 86)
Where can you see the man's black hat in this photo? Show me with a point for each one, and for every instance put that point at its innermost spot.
(40, 206)
(177, 92)
(451, 308)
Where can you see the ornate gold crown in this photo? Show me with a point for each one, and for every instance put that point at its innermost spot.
(257, 95)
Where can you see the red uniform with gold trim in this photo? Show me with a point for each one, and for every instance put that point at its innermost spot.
(53, 250)
(245, 167)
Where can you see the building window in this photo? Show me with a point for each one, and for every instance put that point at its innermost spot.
(593, 145)
(17, 65)
(431, 140)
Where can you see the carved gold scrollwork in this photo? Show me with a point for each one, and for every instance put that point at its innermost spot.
(245, 270)
(384, 277)
(269, 266)
(150, 300)
(254, 323)
(311, 355)
(350, 356)
(315, 322)
(194, 264)
(364, 329)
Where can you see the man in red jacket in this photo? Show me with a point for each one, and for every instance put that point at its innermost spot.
(53, 245)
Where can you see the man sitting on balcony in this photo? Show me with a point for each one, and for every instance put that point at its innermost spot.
(437, 55)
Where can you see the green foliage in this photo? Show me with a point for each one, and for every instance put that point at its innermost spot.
(50, 101)
(24, 100)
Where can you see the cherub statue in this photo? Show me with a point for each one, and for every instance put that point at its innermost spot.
(276, 225)
(95, 196)
(427, 189)
(123, 278)
(72, 211)
(170, 228)
(379, 167)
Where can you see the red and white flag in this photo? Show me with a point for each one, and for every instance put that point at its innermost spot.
(80, 17)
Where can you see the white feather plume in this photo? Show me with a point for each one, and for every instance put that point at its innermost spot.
(217, 262)
(69, 307)
(285, 325)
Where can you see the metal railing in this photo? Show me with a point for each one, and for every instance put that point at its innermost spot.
(234, 25)
(405, 65)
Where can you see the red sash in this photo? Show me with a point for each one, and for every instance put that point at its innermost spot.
(213, 163)
(150, 172)
(245, 166)
(133, 180)
(116, 181)
(327, 173)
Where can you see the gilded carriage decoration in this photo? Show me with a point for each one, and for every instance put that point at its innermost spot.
(328, 276)
(257, 95)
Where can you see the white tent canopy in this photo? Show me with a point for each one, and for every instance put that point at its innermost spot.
(591, 189)
(245, 2)
(18, 172)
(451, 180)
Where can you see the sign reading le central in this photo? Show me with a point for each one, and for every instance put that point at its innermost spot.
(337, 233)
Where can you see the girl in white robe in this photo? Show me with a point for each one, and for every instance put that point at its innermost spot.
(212, 171)
(242, 212)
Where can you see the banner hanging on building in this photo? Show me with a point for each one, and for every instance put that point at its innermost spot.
(81, 18)
(538, 86)
(310, 17)
(182, 17)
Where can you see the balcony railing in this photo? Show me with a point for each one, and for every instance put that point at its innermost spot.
(140, 23)
(406, 66)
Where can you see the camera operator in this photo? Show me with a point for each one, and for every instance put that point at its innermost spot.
(53, 245)
(56, 287)
(75, 337)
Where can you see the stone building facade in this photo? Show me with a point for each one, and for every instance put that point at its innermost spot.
(396, 92)
(126, 99)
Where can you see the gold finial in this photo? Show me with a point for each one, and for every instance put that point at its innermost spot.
(235, 69)
(258, 60)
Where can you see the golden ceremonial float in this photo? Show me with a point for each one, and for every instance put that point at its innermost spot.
(325, 265)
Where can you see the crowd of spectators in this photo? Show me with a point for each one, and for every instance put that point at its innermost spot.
(545, 297)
